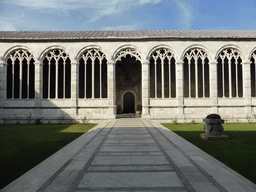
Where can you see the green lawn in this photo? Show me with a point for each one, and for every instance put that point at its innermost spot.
(25, 146)
(239, 152)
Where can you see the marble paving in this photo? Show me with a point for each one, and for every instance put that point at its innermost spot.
(130, 154)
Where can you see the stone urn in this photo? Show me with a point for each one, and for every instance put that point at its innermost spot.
(213, 128)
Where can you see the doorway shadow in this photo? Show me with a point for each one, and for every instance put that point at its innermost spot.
(128, 115)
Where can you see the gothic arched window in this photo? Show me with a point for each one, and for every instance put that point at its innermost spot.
(56, 74)
(162, 74)
(196, 74)
(253, 74)
(92, 74)
(20, 75)
(229, 70)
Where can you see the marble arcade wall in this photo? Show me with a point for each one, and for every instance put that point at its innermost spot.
(178, 79)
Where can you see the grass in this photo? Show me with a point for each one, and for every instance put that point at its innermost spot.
(239, 152)
(25, 146)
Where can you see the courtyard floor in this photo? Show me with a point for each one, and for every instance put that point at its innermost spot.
(130, 154)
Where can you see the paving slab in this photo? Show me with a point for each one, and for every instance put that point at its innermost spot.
(130, 155)
(130, 179)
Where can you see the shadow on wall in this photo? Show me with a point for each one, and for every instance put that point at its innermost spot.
(22, 102)
(19, 101)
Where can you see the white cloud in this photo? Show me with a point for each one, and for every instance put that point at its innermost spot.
(107, 6)
(95, 10)
(98, 8)
(186, 11)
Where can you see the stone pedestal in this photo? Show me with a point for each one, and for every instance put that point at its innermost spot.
(213, 130)
(213, 137)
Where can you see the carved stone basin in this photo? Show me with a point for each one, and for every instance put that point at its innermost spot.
(213, 130)
(213, 126)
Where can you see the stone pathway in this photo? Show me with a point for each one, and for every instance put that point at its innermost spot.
(130, 155)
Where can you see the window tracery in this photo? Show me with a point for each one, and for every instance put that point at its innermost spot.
(128, 51)
(20, 75)
(56, 74)
(196, 74)
(229, 70)
(162, 74)
(93, 74)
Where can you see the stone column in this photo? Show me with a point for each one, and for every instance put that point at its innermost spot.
(74, 89)
(145, 89)
(247, 86)
(213, 85)
(180, 86)
(93, 77)
(162, 74)
(38, 89)
(38, 83)
(56, 79)
(112, 89)
(3, 76)
(21, 79)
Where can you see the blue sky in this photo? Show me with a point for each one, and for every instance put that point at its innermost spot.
(79, 15)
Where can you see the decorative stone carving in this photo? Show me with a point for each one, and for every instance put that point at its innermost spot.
(229, 54)
(56, 54)
(21, 54)
(128, 51)
(93, 54)
(163, 54)
(196, 54)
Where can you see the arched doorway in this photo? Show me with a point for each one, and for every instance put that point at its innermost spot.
(128, 79)
(129, 102)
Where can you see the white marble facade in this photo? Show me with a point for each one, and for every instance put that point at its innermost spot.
(179, 79)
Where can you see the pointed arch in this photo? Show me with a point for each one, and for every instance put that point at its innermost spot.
(195, 47)
(92, 73)
(56, 73)
(230, 46)
(252, 58)
(229, 72)
(90, 47)
(49, 49)
(20, 76)
(126, 50)
(162, 73)
(162, 47)
(196, 72)
(12, 49)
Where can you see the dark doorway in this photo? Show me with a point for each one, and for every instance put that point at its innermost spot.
(129, 103)
(128, 79)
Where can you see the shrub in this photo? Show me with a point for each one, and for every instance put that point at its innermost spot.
(174, 121)
(61, 119)
(29, 119)
(38, 121)
(84, 120)
(193, 121)
(17, 121)
(213, 116)
(5, 120)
